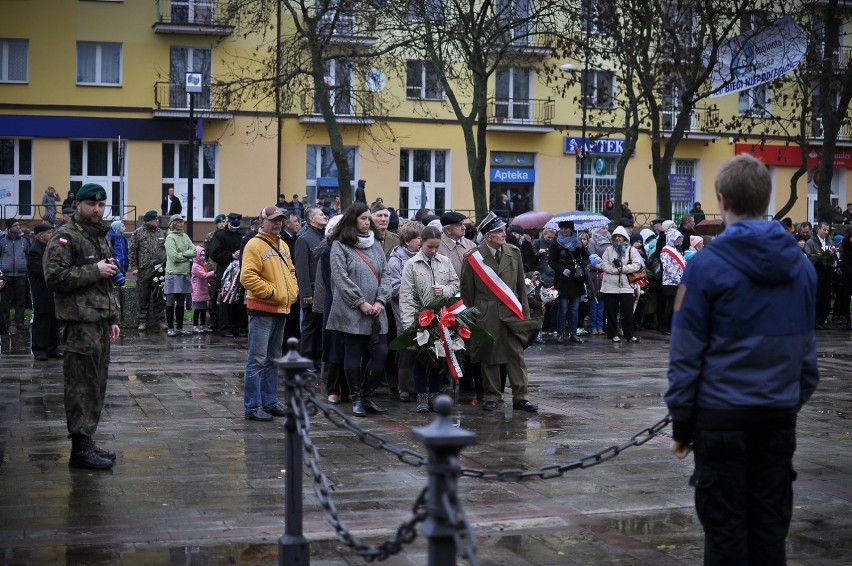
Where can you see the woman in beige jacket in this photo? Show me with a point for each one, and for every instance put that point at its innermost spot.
(432, 275)
(618, 260)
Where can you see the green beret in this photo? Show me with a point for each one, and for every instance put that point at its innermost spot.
(150, 215)
(91, 191)
(219, 218)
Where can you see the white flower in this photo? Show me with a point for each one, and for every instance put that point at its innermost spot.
(422, 337)
(439, 349)
(458, 343)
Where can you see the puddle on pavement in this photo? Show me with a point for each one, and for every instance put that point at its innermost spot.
(835, 355)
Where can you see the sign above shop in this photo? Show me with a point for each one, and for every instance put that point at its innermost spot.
(600, 146)
(790, 155)
(512, 175)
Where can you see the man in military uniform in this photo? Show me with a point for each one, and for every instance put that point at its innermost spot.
(492, 280)
(147, 249)
(78, 268)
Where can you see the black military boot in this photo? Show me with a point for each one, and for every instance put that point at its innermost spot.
(83, 454)
(353, 377)
(367, 400)
(108, 454)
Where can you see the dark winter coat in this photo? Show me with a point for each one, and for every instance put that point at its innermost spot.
(561, 259)
(41, 295)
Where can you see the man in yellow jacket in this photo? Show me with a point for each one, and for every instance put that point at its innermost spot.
(269, 279)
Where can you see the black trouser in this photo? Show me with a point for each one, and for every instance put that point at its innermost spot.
(45, 334)
(311, 346)
(823, 298)
(230, 316)
(16, 293)
(744, 494)
(615, 303)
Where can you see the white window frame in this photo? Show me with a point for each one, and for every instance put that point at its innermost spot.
(414, 186)
(424, 73)
(10, 183)
(592, 82)
(181, 184)
(311, 176)
(98, 81)
(4, 60)
(434, 10)
(105, 180)
(756, 101)
(506, 105)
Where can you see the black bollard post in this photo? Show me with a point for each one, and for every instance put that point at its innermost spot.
(443, 442)
(293, 548)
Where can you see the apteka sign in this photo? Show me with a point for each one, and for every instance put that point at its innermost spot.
(757, 57)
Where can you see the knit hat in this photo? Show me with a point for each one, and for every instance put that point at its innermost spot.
(10, 222)
(91, 191)
(332, 222)
(695, 240)
(150, 215)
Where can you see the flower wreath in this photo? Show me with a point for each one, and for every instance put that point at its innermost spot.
(442, 326)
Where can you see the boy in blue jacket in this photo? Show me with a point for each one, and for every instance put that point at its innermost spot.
(742, 364)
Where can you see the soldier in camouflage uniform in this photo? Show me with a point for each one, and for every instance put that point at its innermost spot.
(78, 268)
(147, 249)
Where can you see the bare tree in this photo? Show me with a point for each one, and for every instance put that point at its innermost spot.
(467, 42)
(321, 57)
(670, 49)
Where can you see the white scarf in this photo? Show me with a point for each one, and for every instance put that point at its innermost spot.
(365, 240)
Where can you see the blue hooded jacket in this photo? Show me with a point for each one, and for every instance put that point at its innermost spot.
(743, 348)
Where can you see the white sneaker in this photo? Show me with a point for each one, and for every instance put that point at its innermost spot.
(171, 332)
(185, 332)
(198, 330)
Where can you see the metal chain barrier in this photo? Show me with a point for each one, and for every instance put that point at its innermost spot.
(373, 440)
(456, 516)
(405, 533)
(557, 470)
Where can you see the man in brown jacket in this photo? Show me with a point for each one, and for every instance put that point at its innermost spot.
(492, 280)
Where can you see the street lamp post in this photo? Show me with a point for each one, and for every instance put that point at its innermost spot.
(193, 87)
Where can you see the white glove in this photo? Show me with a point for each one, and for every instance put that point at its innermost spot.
(566, 272)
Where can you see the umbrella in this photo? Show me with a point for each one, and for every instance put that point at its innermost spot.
(709, 227)
(582, 220)
(532, 220)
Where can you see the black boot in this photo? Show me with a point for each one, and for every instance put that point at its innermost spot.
(108, 454)
(83, 454)
(848, 323)
(353, 377)
(367, 400)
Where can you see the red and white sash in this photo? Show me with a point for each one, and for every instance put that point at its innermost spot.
(677, 257)
(495, 284)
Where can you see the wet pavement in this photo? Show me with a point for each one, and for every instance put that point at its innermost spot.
(197, 484)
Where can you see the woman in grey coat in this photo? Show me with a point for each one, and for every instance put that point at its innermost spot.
(361, 289)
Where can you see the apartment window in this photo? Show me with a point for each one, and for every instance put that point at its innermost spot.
(16, 176)
(597, 16)
(422, 82)
(512, 93)
(320, 164)
(175, 173)
(101, 162)
(339, 78)
(14, 60)
(98, 63)
(598, 89)
(422, 181)
(755, 101)
(431, 10)
(516, 17)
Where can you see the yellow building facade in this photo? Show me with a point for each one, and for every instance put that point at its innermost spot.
(94, 91)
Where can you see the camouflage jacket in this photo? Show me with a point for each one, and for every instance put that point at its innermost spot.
(71, 272)
(147, 247)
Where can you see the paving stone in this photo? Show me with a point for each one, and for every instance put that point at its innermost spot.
(195, 483)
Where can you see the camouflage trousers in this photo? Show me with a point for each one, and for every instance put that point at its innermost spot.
(85, 367)
(150, 299)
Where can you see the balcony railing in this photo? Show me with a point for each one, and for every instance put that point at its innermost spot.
(523, 39)
(348, 104)
(521, 112)
(818, 133)
(841, 58)
(171, 99)
(346, 27)
(701, 120)
(194, 17)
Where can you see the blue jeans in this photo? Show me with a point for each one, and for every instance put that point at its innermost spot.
(265, 339)
(568, 307)
(596, 313)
